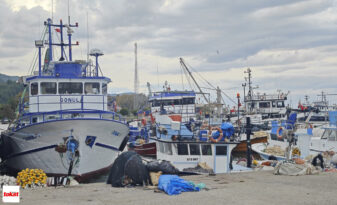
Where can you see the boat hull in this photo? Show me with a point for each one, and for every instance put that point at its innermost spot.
(146, 150)
(259, 147)
(242, 147)
(34, 146)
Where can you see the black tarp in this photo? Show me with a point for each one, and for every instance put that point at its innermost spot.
(128, 168)
(164, 166)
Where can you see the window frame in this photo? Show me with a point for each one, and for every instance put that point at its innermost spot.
(92, 93)
(37, 91)
(208, 148)
(179, 149)
(197, 153)
(41, 90)
(61, 93)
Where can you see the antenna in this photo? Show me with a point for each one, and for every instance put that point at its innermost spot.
(52, 10)
(68, 14)
(87, 37)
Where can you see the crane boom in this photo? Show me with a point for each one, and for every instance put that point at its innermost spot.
(189, 72)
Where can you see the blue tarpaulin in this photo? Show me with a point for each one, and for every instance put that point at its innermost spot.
(227, 129)
(173, 185)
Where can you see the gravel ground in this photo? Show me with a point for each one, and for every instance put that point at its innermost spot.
(239, 188)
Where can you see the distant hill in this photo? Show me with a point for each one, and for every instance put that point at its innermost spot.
(4, 78)
(8, 88)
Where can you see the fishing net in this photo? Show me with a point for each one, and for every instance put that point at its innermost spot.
(128, 168)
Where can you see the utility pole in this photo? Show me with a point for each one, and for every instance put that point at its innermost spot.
(136, 82)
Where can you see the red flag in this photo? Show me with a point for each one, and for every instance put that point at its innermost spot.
(58, 30)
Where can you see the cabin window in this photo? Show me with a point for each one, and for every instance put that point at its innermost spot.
(194, 149)
(168, 148)
(70, 88)
(206, 149)
(177, 102)
(187, 101)
(264, 104)
(221, 150)
(273, 104)
(34, 88)
(104, 88)
(182, 149)
(48, 88)
(91, 88)
(165, 148)
(280, 104)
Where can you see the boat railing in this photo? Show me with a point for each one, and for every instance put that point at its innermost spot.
(258, 97)
(48, 103)
(36, 118)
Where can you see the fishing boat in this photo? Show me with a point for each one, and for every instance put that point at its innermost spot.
(187, 151)
(262, 108)
(325, 138)
(140, 141)
(310, 140)
(63, 125)
(166, 106)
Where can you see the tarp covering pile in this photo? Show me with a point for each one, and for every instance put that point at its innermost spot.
(164, 166)
(293, 169)
(128, 168)
(173, 185)
(227, 129)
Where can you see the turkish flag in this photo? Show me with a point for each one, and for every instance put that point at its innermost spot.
(58, 30)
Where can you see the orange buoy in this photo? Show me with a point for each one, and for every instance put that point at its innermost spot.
(211, 137)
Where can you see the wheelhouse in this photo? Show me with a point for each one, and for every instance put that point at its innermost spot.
(174, 102)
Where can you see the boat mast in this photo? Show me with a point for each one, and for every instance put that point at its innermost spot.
(250, 89)
(189, 72)
(60, 26)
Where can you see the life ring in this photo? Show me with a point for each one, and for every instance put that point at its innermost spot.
(211, 137)
(278, 133)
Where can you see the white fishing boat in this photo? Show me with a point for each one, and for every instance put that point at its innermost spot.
(262, 108)
(64, 126)
(188, 153)
(310, 141)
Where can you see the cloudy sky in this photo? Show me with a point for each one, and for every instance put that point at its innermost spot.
(288, 44)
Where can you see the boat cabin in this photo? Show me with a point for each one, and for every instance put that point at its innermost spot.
(174, 102)
(65, 90)
(269, 106)
(187, 154)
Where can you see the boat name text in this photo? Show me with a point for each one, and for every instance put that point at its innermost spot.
(69, 100)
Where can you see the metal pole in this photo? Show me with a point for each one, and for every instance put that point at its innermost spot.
(61, 30)
(238, 96)
(70, 56)
(249, 147)
(50, 40)
(39, 60)
(96, 65)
